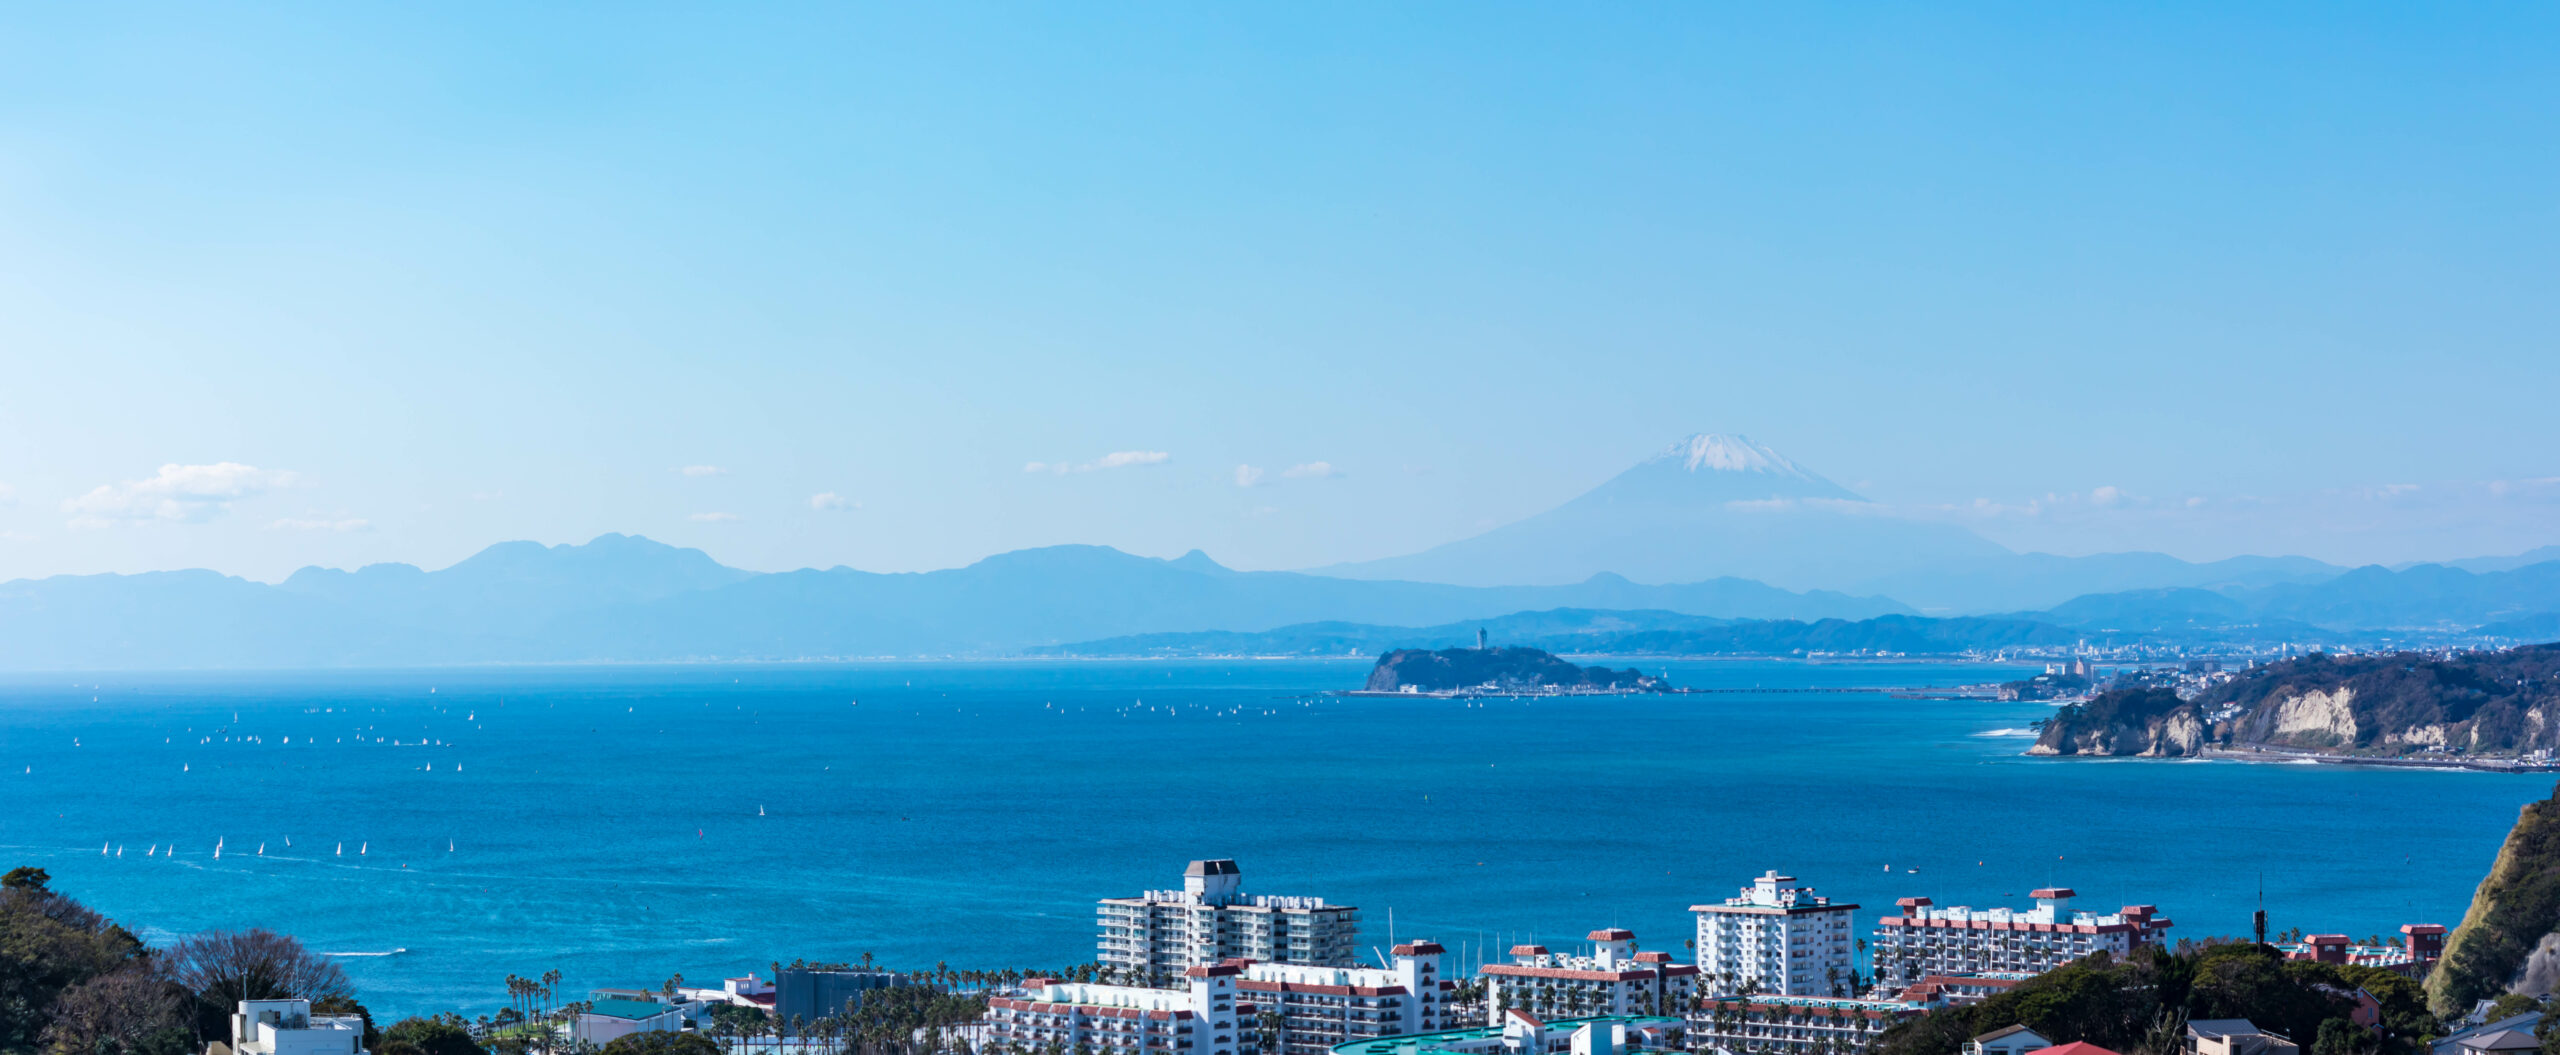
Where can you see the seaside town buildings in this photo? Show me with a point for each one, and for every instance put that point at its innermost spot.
(287, 1027)
(1776, 938)
(1201, 1018)
(1210, 920)
(1923, 941)
(1614, 980)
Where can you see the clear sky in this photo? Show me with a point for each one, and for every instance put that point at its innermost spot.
(816, 286)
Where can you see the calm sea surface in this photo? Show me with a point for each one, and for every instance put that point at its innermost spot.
(607, 822)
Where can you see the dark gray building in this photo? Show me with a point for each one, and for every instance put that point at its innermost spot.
(810, 994)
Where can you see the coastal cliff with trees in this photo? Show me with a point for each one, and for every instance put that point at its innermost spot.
(2486, 705)
(2514, 919)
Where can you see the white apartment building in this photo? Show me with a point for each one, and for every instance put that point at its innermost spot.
(1202, 1018)
(1802, 1025)
(1211, 920)
(287, 1027)
(1614, 980)
(1777, 938)
(1320, 1007)
(1924, 941)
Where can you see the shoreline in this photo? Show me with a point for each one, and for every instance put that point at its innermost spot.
(2286, 757)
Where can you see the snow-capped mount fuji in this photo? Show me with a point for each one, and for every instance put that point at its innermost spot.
(1708, 506)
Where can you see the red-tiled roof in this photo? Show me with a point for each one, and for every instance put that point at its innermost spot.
(1528, 950)
(2077, 1047)
(1653, 957)
(2042, 893)
(1611, 934)
(1221, 970)
(1419, 948)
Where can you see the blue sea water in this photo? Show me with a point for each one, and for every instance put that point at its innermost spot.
(625, 824)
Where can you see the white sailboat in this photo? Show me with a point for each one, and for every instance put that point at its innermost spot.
(342, 849)
(217, 849)
(102, 848)
(361, 848)
(262, 849)
(759, 811)
(119, 851)
(448, 846)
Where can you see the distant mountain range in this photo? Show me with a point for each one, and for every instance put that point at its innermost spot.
(1674, 555)
(1715, 505)
(622, 598)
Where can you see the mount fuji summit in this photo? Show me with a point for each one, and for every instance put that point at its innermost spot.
(1707, 507)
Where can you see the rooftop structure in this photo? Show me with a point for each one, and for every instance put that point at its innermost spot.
(610, 1017)
(2235, 1036)
(1210, 920)
(1923, 940)
(2417, 953)
(2007, 1040)
(1776, 938)
(287, 1027)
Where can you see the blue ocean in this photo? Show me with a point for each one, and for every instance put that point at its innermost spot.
(441, 830)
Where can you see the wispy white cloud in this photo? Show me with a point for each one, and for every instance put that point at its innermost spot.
(184, 494)
(339, 524)
(8, 496)
(829, 501)
(1113, 460)
(1310, 470)
(1247, 476)
(713, 518)
(16, 536)
(700, 470)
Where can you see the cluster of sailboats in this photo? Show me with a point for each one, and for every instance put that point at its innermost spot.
(220, 843)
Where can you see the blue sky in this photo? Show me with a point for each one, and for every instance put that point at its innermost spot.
(2087, 278)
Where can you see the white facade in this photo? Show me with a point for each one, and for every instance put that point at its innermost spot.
(1924, 941)
(1614, 980)
(287, 1027)
(1777, 938)
(1200, 1019)
(1211, 920)
(1792, 1025)
(1320, 1007)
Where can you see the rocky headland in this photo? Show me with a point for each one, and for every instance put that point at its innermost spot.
(2417, 706)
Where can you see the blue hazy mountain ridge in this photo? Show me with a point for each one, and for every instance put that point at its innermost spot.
(2423, 597)
(1601, 633)
(626, 598)
(1715, 505)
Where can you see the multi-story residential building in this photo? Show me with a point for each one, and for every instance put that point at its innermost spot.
(1203, 1018)
(1777, 1024)
(1521, 1033)
(1923, 941)
(1161, 933)
(1614, 980)
(1303, 1010)
(1777, 938)
(287, 1027)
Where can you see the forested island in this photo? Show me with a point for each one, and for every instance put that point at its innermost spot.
(1499, 670)
(2487, 707)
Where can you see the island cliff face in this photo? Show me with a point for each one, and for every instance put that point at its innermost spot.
(2480, 704)
(2512, 919)
(1503, 669)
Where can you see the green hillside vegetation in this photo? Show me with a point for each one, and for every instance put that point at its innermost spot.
(2140, 1005)
(2514, 908)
